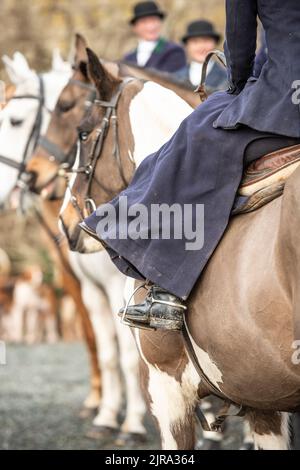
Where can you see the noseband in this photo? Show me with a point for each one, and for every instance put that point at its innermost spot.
(35, 132)
(110, 119)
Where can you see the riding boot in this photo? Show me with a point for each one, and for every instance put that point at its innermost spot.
(160, 309)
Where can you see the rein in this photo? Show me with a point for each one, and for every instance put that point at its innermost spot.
(57, 239)
(201, 88)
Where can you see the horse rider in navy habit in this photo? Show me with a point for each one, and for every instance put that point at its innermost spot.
(200, 39)
(153, 51)
(204, 161)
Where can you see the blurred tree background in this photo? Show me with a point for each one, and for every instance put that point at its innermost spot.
(35, 27)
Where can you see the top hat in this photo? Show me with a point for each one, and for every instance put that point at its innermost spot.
(201, 28)
(143, 9)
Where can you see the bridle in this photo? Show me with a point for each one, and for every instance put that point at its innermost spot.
(66, 160)
(32, 140)
(110, 119)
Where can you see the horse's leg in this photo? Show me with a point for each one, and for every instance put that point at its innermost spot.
(101, 317)
(210, 440)
(270, 430)
(68, 319)
(247, 437)
(172, 385)
(129, 360)
(16, 323)
(50, 310)
(32, 330)
(73, 288)
(50, 325)
(296, 431)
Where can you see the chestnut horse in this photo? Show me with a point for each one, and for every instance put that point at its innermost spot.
(24, 119)
(241, 313)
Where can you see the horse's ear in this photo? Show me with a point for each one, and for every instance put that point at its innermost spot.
(103, 80)
(21, 63)
(17, 68)
(58, 63)
(9, 67)
(80, 50)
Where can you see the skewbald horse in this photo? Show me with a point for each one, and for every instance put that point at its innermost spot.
(240, 315)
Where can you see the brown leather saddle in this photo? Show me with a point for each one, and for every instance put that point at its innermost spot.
(265, 178)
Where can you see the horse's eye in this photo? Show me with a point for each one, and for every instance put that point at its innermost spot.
(64, 107)
(83, 136)
(16, 122)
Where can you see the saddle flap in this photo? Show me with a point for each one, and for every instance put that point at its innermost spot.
(273, 168)
(265, 178)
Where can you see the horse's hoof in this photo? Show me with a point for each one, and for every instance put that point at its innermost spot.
(208, 444)
(130, 439)
(247, 446)
(102, 432)
(87, 413)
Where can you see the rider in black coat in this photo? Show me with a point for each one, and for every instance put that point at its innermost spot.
(203, 162)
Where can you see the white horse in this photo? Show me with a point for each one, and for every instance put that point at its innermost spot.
(19, 116)
(102, 285)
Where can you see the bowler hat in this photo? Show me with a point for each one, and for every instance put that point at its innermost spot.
(201, 28)
(143, 9)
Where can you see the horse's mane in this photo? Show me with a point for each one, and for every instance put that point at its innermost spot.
(156, 75)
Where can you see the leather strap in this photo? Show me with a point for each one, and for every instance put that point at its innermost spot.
(194, 359)
(52, 149)
(35, 131)
(230, 409)
(86, 86)
(201, 88)
(56, 239)
(12, 163)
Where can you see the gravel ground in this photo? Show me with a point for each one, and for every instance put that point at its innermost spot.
(42, 389)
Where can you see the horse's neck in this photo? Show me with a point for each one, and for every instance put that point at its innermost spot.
(155, 115)
(50, 211)
(165, 81)
(13, 140)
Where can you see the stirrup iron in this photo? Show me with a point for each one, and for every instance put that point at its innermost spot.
(126, 322)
